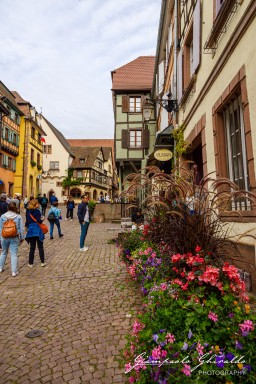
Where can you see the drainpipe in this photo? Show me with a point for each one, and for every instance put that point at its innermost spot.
(175, 64)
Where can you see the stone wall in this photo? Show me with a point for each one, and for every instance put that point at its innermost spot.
(106, 212)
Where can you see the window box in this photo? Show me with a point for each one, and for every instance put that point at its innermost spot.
(33, 163)
(39, 167)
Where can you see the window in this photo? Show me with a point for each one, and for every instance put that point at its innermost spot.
(79, 174)
(54, 164)
(81, 161)
(32, 154)
(38, 159)
(75, 193)
(236, 148)
(6, 133)
(100, 164)
(135, 139)
(32, 132)
(16, 118)
(14, 139)
(134, 104)
(109, 168)
(47, 149)
(39, 138)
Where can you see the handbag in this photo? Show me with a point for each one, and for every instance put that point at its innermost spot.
(43, 226)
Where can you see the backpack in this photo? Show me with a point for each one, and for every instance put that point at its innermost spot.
(9, 229)
(44, 201)
(51, 216)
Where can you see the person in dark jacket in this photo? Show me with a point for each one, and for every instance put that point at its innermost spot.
(138, 217)
(70, 208)
(53, 198)
(34, 235)
(84, 220)
(3, 204)
(44, 203)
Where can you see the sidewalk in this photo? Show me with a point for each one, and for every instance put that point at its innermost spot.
(80, 301)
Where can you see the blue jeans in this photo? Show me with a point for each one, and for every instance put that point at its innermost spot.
(57, 222)
(12, 243)
(84, 230)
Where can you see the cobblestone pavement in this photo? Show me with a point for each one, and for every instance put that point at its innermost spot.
(80, 301)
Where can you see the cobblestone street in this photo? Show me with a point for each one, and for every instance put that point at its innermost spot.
(82, 303)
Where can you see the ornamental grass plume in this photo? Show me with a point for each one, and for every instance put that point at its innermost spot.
(185, 215)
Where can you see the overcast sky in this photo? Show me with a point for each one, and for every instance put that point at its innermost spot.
(58, 54)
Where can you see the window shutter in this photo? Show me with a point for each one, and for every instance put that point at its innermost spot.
(145, 138)
(14, 165)
(196, 36)
(3, 133)
(125, 104)
(180, 75)
(125, 138)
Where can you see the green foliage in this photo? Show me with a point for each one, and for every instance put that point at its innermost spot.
(91, 204)
(127, 243)
(33, 163)
(69, 182)
(180, 144)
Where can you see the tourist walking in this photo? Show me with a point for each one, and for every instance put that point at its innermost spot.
(54, 217)
(70, 208)
(44, 203)
(35, 236)
(16, 233)
(53, 198)
(3, 204)
(83, 214)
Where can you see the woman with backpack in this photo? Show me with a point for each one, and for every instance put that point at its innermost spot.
(12, 235)
(54, 217)
(35, 236)
(70, 208)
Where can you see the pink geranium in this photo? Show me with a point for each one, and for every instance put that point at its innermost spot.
(170, 338)
(247, 326)
(213, 316)
(186, 369)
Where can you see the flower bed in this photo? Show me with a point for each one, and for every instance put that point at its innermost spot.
(196, 324)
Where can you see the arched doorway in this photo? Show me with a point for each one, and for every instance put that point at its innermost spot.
(76, 193)
(94, 196)
(50, 193)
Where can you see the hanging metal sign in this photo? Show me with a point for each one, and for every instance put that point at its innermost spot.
(163, 154)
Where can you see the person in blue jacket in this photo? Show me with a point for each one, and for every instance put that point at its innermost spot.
(83, 214)
(53, 198)
(34, 235)
(56, 213)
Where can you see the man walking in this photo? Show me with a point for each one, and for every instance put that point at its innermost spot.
(84, 220)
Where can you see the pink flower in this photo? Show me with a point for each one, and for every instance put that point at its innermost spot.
(212, 316)
(163, 286)
(200, 348)
(140, 364)
(131, 380)
(156, 353)
(137, 327)
(186, 369)
(170, 338)
(191, 276)
(164, 354)
(128, 367)
(247, 326)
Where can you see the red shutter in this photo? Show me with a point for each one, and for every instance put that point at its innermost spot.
(125, 138)
(180, 75)
(125, 104)
(145, 138)
(196, 37)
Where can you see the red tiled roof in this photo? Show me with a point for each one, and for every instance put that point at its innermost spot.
(92, 143)
(136, 75)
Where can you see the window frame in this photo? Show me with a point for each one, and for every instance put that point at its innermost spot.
(135, 108)
(137, 132)
(54, 167)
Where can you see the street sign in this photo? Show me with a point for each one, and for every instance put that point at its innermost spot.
(163, 154)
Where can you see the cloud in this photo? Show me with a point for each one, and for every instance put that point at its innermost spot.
(59, 55)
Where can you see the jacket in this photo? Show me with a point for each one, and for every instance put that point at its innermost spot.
(33, 228)
(81, 211)
(3, 207)
(16, 218)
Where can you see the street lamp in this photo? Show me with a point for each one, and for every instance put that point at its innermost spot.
(147, 109)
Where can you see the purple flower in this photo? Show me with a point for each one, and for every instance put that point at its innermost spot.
(248, 367)
(162, 344)
(185, 346)
(190, 334)
(238, 345)
(206, 344)
(144, 291)
(229, 356)
(220, 361)
(162, 330)
(231, 315)
(245, 333)
(193, 346)
(155, 337)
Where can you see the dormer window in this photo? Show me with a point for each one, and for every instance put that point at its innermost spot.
(82, 161)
